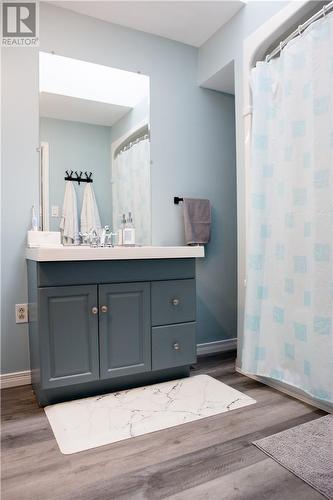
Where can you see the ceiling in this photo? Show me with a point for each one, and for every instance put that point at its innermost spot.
(188, 22)
(73, 109)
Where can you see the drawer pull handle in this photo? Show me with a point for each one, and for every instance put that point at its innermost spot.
(104, 309)
(94, 310)
(176, 346)
(175, 302)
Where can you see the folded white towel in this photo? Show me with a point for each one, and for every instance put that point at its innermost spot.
(69, 224)
(89, 214)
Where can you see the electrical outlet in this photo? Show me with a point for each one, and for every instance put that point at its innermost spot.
(21, 313)
(54, 211)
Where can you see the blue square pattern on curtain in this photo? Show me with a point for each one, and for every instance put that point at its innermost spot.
(289, 296)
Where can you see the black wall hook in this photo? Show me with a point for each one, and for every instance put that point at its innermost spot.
(78, 177)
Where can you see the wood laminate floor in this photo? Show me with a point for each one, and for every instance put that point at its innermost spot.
(212, 458)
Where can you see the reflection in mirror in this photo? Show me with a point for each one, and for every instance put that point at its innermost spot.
(93, 119)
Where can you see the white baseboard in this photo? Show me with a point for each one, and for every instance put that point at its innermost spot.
(24, 378)
(15, 379)
(216, 347)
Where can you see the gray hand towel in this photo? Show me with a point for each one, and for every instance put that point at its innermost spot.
(197, 220)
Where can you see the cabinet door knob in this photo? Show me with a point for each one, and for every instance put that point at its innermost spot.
(94, 310)
(176, 346)
(175, 302)
(104, 309)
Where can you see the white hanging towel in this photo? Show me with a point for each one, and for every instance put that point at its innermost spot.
(89, 213)
(69, 224)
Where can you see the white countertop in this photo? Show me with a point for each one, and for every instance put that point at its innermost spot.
(74, 253)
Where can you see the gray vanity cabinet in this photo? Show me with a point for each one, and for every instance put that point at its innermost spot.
(100, 326)
(69, 344)
(124, 329)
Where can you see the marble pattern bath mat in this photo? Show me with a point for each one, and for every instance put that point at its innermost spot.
(96, 421)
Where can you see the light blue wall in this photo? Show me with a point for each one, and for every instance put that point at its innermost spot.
(131, 119)
(82, 147)
(192, 150)
(19, 191)
(227, 43)
(225, 47)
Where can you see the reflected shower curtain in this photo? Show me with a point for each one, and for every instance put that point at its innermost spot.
(288, 330)
(131, 189)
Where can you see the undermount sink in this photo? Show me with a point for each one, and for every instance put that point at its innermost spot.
(74, 253)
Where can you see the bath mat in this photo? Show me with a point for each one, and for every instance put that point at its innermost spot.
(307, 451)
(95, 421)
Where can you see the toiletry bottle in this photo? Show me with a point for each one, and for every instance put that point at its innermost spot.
(129, 232)
(121, 230)
(104, 232)
(34, 221)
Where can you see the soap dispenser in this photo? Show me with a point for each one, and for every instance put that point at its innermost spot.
(121, 230)
(129, 232)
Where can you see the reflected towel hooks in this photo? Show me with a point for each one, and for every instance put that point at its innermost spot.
(78, 177)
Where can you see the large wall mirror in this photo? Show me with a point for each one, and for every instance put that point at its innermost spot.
(94, 124)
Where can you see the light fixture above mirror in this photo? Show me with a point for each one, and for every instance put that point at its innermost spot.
(94, 82)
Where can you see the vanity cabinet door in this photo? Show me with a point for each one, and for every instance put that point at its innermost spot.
(124, 329)
(68, 331)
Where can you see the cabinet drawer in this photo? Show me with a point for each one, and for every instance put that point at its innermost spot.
(173, 302)
(173, 345)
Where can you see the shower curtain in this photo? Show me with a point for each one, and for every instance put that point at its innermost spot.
(131, 189)
(288, 330)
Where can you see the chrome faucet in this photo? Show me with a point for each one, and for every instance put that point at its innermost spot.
(106, 237)
(94, 238)
(109, 238)
(84, 238)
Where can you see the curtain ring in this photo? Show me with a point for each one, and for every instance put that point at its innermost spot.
(299, 29)
(324, 11)
(281, 46)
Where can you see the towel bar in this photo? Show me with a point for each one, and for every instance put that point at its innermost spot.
(177, 200)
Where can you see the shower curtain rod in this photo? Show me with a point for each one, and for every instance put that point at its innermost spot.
(298, 31)
(132, 143)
